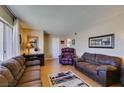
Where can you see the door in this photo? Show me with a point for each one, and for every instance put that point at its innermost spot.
(55, 47)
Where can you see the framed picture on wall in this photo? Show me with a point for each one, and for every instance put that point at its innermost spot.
(62, 41)
(104, 41)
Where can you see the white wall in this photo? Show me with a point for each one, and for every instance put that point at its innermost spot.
(114, 25)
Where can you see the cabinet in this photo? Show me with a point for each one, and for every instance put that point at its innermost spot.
(31, 57)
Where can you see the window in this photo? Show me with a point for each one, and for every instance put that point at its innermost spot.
(1, 41)
(9, 39)
(6, 41)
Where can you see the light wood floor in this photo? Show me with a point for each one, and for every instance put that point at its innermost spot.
(53, 66)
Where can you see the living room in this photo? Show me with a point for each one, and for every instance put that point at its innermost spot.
(61, 46)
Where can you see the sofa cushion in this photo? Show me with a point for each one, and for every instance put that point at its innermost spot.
(87, 66)
(33, 63)
(36, 83)
(30, 76)
(32, 68)
(80, 64)
(5, 72)
(3, 81)
(13, 66)
(32, 73)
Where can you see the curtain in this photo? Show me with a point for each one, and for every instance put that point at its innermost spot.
(16, 38)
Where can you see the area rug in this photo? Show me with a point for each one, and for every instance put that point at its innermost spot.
(66, 79)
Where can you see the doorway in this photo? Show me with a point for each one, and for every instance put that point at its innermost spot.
(55, 47)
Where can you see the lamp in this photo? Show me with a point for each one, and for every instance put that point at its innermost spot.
(29, 46)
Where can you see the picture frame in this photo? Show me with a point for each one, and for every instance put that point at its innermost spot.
(62, 41)
(104, 41)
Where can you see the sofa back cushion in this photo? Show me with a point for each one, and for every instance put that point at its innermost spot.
(8, 75)
(108, 60)
(90, 58)
(13, 65)
(3, 81)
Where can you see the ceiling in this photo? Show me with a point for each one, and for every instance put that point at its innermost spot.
(64, 19)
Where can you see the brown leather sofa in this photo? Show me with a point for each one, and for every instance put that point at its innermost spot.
(102, 68)
(122, 76)
(20, 73)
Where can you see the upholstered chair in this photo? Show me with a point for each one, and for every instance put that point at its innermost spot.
(67, 56)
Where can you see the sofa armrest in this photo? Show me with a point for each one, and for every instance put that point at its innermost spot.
(76, 60)
(107, 73)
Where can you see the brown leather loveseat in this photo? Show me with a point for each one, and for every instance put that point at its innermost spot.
(102, 68)
(18, 72)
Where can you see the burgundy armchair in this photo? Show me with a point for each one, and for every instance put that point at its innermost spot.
(67, 56)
